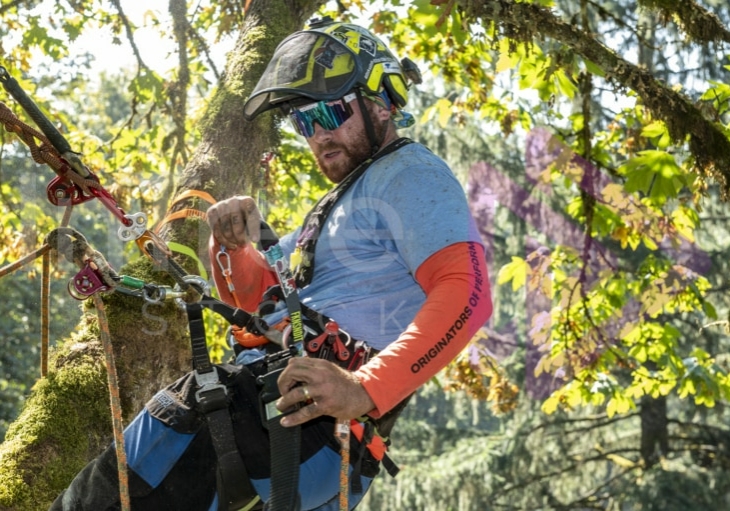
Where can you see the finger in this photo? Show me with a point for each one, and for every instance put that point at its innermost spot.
(304, 414)
(300, 370)
(219, 221)
(232, 219)
(253, 224)
(306, 396)
(235, 227)
(297, 395)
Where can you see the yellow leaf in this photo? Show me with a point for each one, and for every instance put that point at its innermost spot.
(621, 234)
(443, 107)
(550, 404)
(620, 460)
(506, 61)
(515, 271)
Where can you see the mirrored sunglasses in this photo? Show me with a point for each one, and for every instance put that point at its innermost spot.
(329, 115)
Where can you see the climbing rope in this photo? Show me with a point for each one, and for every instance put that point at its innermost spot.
(115, 402)
(74, 247)
(342, 433)
(45, 312)
(76, 184)
(43, 252)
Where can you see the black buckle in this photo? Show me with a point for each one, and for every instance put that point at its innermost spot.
(212, 394)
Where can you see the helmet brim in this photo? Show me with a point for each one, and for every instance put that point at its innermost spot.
(307, 64)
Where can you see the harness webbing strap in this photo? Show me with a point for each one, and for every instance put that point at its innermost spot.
(317, 216)
(233, 485)
(285, 442)
(201, 360)
(285, 452)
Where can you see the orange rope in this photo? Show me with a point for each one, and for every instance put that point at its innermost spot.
(45, 312)
(24, 260)
(46, 153)
(342, 432)
(116, 406)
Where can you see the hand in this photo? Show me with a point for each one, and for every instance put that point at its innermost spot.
(235, 221)
(329, 389)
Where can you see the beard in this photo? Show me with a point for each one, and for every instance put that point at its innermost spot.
(353, 152)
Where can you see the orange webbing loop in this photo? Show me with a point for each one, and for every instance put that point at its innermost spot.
(247, 339)
(186, 213)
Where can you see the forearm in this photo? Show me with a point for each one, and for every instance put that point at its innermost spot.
(458, 303)
(250, 275)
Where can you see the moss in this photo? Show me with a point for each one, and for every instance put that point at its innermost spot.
(44, 449)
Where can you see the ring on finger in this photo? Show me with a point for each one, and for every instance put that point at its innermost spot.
(307, 395)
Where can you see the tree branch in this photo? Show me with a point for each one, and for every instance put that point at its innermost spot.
(527, 22)
(699, 24)
(130, 34)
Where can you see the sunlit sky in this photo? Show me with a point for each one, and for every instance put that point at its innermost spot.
(157, 53)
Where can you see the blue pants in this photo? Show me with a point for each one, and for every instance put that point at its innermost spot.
(171, 460)
(153, 449)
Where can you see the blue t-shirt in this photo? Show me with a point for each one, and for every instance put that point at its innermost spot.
(407, 206)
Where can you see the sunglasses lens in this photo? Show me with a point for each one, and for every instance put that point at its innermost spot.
(329, 115)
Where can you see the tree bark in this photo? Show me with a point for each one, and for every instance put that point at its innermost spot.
(66, 421)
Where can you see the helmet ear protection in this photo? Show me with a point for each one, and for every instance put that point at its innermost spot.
(326, 62)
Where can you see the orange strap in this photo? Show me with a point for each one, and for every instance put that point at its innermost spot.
(376, 446)
(186, 213)
(246, 338)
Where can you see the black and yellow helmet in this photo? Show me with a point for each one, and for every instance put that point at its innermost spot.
(325, 63)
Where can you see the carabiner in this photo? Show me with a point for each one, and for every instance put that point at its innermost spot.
(224, 266)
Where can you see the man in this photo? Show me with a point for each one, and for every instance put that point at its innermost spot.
(391, 254)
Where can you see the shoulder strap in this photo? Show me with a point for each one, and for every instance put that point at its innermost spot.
(316, 218)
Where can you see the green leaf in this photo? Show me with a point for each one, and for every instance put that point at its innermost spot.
(515, 271)
(182, 249)
(655, 129)
(593, 68)
(655, 173)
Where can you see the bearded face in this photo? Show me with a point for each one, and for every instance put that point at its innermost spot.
(338, 152)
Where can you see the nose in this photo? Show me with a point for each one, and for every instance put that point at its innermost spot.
(320, 134)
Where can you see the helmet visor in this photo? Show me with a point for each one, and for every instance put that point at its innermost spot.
(309, 64)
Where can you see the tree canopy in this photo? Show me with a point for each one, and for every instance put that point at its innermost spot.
(593, 144)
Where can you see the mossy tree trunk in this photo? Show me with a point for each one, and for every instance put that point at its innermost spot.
(66, 421)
